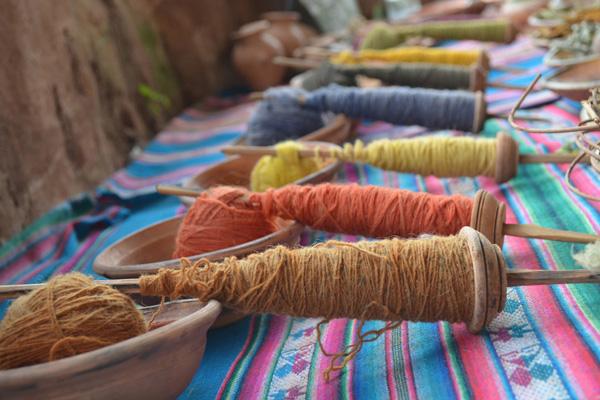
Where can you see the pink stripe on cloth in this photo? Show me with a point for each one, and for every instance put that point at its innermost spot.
(131, 183)
(333, 340)
(410, 377)
(35, 253)
(480, 371)
(193, 135)
(389, 365)
(260, 368)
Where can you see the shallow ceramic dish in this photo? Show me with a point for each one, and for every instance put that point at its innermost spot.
(575, 82)
(150, 249)
(156, 365)
(565, 59)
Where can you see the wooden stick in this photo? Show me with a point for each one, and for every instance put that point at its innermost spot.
(540, 232)
(176, 191)
(530, 277)
(552, 158)
(122, 285)
(514, 278)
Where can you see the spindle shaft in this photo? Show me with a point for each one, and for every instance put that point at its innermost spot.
(540, 232)
(531, 277)
(506, 165)
(514, 278)
(488, 217)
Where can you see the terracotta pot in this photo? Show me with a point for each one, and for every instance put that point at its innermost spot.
(253, 55)
(286, 27)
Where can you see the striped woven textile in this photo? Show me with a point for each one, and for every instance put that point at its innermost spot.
(544, 345)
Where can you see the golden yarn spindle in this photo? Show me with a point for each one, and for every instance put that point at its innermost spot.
(457, 278)
(412, 55)
(70, 315)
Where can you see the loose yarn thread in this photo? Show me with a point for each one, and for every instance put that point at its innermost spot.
(383, 36)
(410, 55)
(439, 156)
(389, 280)
(70, 315)
(280, 116)
(285, 167)
(228, 216)
(434, 76)
(430, 108)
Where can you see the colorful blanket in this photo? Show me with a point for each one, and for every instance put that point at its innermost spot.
(544, 345)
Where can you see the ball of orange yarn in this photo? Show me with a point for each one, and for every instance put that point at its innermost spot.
(69, 315)
(220, 218)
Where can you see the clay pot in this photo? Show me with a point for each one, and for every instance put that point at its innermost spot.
(286, 27)
(253, 55)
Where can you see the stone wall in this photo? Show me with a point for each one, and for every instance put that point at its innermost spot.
(82, 82)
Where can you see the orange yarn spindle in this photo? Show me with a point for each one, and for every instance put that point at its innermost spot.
(226, 216)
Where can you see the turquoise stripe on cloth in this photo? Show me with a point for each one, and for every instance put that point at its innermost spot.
(544, 345)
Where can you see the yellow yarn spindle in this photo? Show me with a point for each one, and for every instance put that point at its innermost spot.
(439, 156)
(410, 55)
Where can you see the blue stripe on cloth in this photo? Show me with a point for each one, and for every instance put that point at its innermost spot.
(430, 370)
(218, 139)
(222, 347)
(367, 369)
(144, 170)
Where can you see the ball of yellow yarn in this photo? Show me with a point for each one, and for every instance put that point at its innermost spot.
(68, 316)
(284, 168)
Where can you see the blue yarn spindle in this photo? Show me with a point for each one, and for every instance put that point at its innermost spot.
(280, 116)
(430, 108)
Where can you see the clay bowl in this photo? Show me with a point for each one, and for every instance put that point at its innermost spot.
(566, 59)
(156, 365)
(575, 82)
(236, 172)
(337, 130)
(150, 249)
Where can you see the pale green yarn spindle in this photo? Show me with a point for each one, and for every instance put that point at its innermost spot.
(384, 36)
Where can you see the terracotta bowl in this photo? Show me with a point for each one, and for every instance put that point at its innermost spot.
(150, 249)
(338, 129)
(575, 82)
(156, 365)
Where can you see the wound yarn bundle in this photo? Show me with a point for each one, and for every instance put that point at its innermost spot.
(220, 218)
(280, 116)
(285, 167)
(430, 108)
(434, 76)
(68, 316)
(390, 280)
(430, 155)
(228, 216)
(414, 54)
(383, 36)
